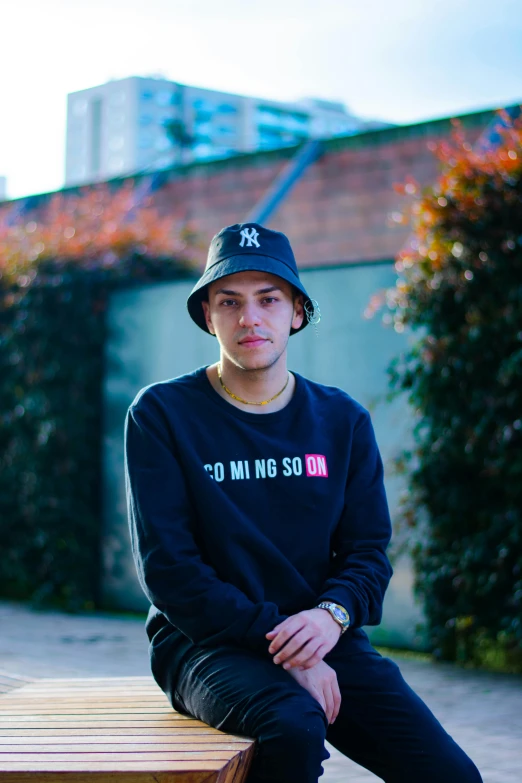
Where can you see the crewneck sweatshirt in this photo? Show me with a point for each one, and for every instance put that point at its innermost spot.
(239, 520)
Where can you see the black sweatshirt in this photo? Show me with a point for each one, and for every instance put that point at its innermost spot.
(239, 519)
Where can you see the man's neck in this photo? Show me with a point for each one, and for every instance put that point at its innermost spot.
(253, 386)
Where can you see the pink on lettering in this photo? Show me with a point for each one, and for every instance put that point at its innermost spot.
(316, 465)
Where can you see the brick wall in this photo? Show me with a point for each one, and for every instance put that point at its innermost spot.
(338, 212)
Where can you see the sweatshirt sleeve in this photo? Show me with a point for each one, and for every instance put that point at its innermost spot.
(361, 570)
(169, 564)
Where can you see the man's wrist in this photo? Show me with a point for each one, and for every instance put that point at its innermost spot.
(334, 621)
(337, 612)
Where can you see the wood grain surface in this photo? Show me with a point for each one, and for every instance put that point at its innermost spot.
(95, 730)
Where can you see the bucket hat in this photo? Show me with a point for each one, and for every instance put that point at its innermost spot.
(245, 247)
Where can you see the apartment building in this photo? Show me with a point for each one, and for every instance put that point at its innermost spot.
(144, 124)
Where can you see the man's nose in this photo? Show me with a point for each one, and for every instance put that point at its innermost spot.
(250, 315)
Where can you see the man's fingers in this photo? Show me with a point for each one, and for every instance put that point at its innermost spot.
(316, 656)
(292, 647)
(336, 695)
(286, 633)
(308, 655)
(329, 701)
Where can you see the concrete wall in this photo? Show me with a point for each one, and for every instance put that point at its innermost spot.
(151, 338)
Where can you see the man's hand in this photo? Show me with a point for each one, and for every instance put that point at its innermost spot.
(303, 639)
(321, 682)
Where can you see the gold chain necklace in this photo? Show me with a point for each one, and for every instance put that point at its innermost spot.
(247, 402)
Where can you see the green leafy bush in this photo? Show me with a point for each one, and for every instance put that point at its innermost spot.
(56, 273)
(459, 291)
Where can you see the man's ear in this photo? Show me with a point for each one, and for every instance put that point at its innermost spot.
(206, 310)
(299, 314)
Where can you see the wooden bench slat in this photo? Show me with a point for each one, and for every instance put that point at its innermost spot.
(84, 682)
(123, 757)
(111, 731)
(116, 683)
(59, 709)
(87, 699)
(132, 723)
(142, 694)
(114, 766)
(57, 746)
(123, 776)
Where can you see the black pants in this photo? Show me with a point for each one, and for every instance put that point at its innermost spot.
(382, 724)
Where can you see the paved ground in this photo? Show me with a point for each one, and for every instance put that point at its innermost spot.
(482, 711)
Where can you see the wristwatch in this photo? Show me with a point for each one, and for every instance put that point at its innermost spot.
(338, 612)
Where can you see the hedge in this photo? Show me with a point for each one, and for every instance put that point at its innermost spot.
(459, 296)
(57, 271)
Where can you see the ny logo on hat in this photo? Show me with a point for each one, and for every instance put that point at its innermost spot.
(251, 235)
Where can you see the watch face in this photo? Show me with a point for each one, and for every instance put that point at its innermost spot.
(341, 616)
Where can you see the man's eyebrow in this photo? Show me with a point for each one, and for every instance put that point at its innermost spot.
(268, 290)
(229, 292)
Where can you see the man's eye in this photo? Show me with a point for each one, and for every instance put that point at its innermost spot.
(228, 302)
(270, 299)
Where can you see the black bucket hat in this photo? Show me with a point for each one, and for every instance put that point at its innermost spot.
(247, 247)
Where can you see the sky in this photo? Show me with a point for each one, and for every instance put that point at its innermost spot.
(403, 61)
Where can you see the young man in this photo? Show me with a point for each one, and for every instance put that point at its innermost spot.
(259, 527)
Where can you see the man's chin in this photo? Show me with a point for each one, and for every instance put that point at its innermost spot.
(255, 363)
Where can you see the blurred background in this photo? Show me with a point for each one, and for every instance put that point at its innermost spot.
(386, 142)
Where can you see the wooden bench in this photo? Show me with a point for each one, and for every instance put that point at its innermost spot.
(118, 729)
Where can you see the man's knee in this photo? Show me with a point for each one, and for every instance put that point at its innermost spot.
(462, 770)
(454, 766)
(293, 717)
(291, 734)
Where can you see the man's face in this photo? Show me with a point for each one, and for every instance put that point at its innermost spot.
(251, 314)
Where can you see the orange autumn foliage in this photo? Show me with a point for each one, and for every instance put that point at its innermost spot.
(98, 226)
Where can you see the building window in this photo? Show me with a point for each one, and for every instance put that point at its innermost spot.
(268, 115)
(164, 118)
(201, 103)
(203, 116)
(146, 119)
(227, 108)
(226, 130)
(164, 98)
(202, 128)
(147, 95)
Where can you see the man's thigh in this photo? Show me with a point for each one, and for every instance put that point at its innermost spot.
(228, 687)
(384, 726)
(231, 683)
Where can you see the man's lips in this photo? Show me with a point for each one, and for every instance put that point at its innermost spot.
(253, 340)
